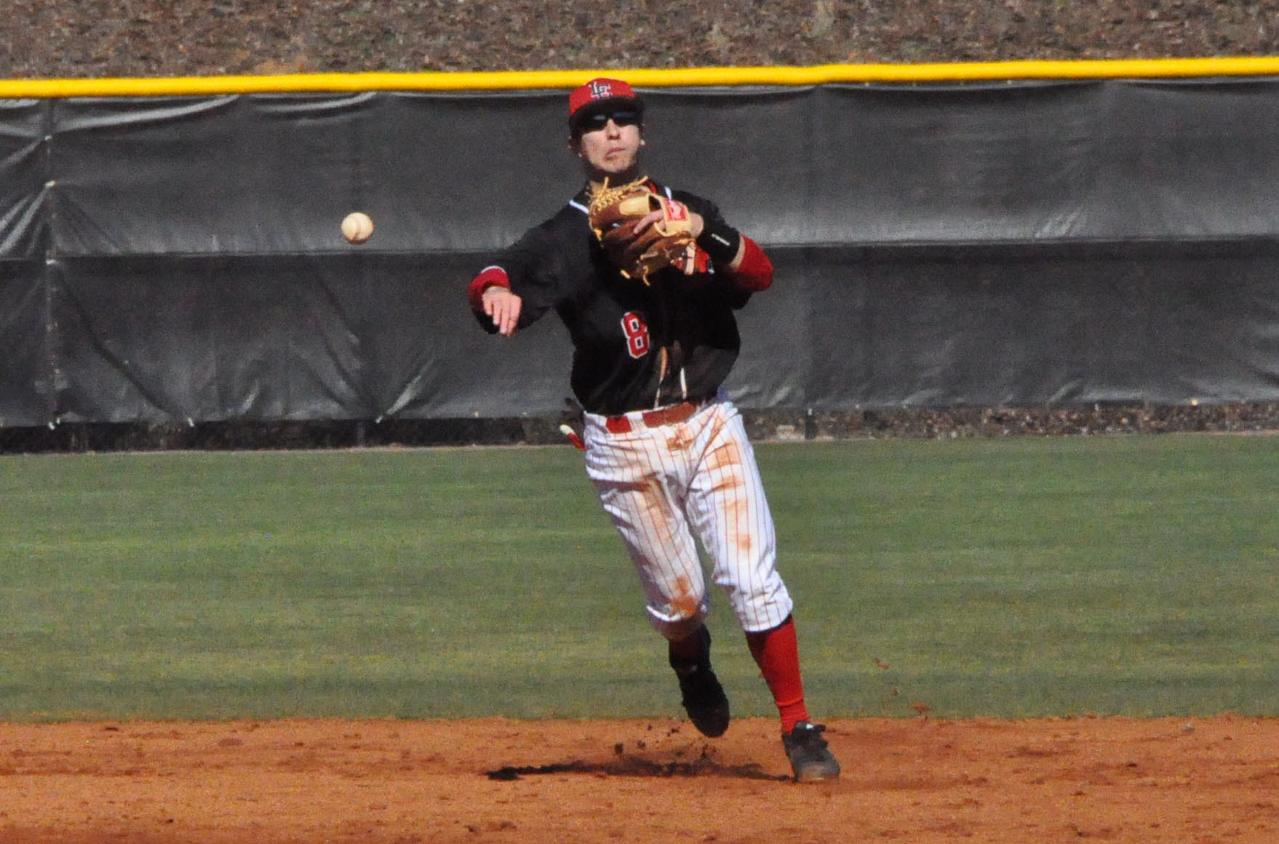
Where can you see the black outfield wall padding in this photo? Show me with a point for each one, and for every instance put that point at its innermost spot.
(179, 258)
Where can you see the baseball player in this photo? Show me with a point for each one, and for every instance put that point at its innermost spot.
(646, 279)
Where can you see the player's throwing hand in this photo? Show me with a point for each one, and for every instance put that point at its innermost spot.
(503, 307)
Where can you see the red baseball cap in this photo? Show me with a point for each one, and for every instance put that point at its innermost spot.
(601, 90)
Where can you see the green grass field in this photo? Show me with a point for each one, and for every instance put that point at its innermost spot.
(1127, 575)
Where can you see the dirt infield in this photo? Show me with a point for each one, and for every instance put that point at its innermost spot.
(1109, 779)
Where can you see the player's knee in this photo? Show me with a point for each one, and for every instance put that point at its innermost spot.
(682, 629)
(677, 627)
(763, 608)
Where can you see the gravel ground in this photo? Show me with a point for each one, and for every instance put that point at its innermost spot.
(89, 38)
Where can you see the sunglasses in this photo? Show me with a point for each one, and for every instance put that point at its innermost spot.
(598, 120)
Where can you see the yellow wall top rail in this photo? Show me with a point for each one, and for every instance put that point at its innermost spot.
(644, 78)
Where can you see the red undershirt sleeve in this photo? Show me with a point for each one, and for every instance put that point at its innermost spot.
(755, 272)
(492, 276)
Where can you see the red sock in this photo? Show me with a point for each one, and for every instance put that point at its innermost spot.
(776, 653)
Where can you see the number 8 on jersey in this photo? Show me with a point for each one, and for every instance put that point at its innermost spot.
(636, 331)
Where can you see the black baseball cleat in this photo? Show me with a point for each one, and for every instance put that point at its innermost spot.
(703, 697)
(810, 759)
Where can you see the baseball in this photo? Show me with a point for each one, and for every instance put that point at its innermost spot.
(357, 227)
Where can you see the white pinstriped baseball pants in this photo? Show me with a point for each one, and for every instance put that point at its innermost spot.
(664, 485)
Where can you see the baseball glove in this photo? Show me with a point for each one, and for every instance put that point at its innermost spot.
(614, 215)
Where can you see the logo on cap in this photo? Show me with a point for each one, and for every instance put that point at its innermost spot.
(600, 88)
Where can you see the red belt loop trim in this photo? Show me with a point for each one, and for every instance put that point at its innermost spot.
(672, 415)
(617, 425)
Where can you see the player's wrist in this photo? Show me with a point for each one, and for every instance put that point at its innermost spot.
(754, 271)
(489, 278)
(720, 241)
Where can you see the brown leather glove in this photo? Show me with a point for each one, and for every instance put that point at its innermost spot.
(615, 213)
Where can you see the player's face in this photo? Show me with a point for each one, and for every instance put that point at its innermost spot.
(609, 145)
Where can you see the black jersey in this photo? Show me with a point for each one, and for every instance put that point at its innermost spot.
(635, 346)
